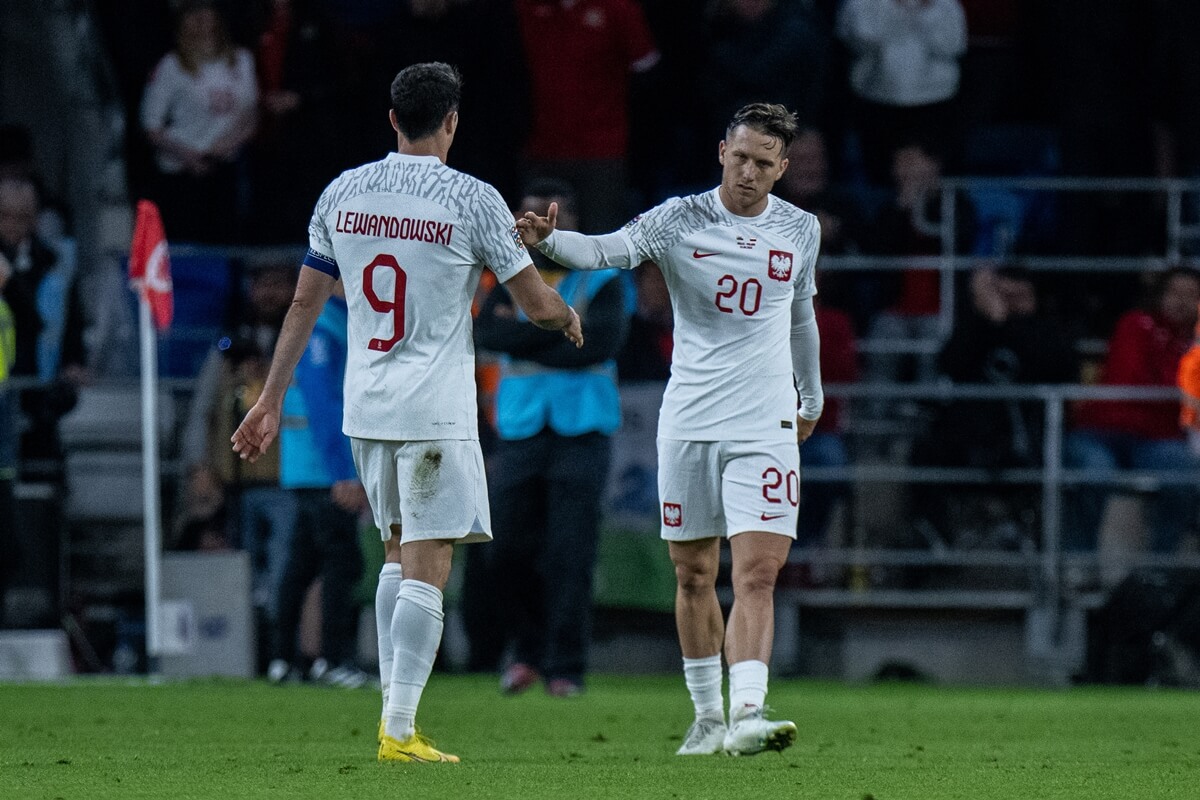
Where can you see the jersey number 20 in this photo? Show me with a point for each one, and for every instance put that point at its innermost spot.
(748, 300)
(395, 306)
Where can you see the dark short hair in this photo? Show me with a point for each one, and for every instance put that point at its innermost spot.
(422, 96)
(769, 118)
(553, 187)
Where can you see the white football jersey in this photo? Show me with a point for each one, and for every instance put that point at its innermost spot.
(409, 238)
(732, 281)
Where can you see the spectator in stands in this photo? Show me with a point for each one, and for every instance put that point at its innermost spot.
(580, 55)
(318, 469)
(17, 161)
(843, 220)
(292, 157)
(1188, 379)
(827, 445)
(556, 408)
(262, 514)
(47, 318)
(35, 291)
(1002, 338)
(8, 439)
(1145, 350)
(199, 111)
(764, 49)
(807, 185)
(913, 300)
(646, 354)
(905, 74)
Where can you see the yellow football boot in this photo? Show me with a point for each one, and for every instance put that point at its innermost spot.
(415, 749)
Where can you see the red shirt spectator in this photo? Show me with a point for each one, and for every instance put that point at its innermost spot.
(1145, 350)
(839, 361)
(580, 54)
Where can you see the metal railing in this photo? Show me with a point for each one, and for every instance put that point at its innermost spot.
(949, 261)
(1052, 477)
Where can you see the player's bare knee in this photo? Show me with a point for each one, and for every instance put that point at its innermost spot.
(756, 577)
(695, 578)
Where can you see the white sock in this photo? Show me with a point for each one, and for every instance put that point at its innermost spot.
(703, 677)
(385, 606)
(416, 636)
(747, 688)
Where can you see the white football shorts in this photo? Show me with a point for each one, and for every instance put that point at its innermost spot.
(433, 489)
(725, 488)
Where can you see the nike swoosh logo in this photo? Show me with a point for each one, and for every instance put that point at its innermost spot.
(698, 254)
(769, 517)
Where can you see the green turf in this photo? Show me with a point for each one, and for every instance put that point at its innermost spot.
(93, 740)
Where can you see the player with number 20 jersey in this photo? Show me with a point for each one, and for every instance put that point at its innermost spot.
(745, 388)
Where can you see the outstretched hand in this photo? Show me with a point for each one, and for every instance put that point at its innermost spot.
(534, 229)
(255, 434)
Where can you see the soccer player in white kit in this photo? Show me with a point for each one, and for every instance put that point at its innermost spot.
(409, 238)
(745, 390)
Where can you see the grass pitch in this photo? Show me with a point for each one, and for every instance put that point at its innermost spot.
(92, 740)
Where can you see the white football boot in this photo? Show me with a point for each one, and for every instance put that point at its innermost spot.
(705, 737)
(751, 733)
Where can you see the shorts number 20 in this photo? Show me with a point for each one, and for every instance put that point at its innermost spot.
(776, 486)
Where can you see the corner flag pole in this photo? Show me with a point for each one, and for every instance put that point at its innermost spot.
(152, 528)
(150, 276)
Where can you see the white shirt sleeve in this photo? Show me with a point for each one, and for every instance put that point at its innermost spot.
(157, 98)
(806, 358)
(578, 251)
(496, 241)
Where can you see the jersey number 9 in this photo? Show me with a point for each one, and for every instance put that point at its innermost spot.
(395, 306)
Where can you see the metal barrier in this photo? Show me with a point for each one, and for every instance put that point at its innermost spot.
(1052, 477)
(949, 261)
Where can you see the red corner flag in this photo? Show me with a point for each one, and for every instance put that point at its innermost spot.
(150, 265)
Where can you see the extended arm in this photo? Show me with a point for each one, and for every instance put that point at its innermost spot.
(806, 365)
(581, 252)
(499, 329)
(261, 424)
(575, 250)
(544, 307)
(606, 324)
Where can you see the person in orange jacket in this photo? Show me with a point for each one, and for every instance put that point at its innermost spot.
(1189, 389)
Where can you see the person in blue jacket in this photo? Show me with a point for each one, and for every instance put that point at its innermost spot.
(556, 408)
(316, 465)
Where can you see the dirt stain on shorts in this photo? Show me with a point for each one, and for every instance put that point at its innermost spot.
(425, 475)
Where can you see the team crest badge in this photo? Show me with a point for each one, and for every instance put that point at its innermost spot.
(672, 515)
(516, 237)
(779, 265)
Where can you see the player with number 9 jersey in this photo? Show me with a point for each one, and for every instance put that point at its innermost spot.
(409, 237)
